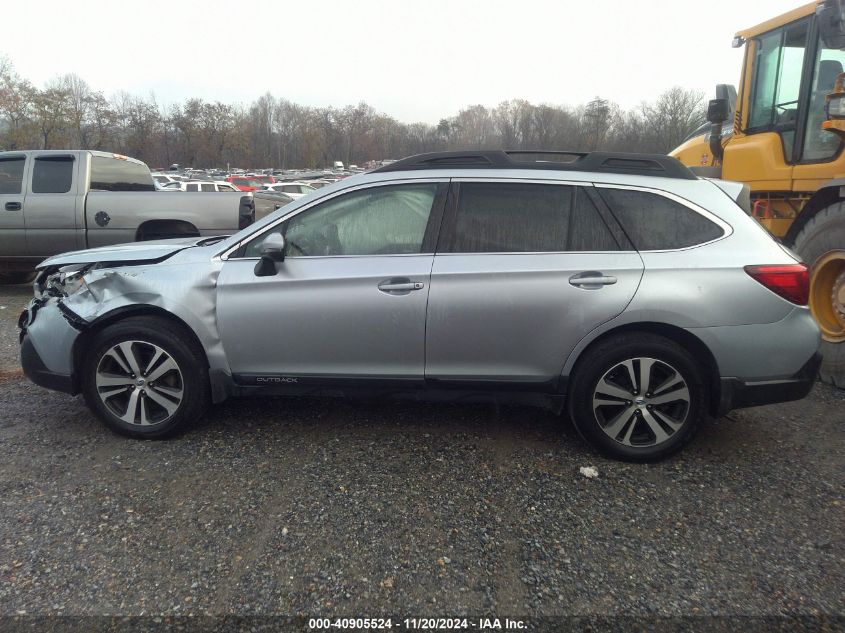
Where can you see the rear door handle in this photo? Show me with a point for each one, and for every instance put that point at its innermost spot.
(13, 206)
(400, 286)
(591, 280)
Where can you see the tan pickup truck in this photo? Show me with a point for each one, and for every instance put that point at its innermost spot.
(53, 201)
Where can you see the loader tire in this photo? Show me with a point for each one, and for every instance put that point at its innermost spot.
(821, 244)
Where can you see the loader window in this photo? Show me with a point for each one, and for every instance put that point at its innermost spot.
(777, 81)
(819, 144)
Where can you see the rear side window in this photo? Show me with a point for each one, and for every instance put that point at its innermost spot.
(208, 187)
(113, 174)
(655, 223)
(11, 175)
(52, 174)
(526, 218)
(192, 187)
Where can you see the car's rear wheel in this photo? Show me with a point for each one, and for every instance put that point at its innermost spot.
(145, 377)
(639, 397)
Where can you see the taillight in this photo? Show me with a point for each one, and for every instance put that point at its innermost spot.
(790, 281)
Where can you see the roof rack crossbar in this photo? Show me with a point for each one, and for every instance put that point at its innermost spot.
(608, 162)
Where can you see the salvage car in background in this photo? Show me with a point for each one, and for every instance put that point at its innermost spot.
(293, 189)
(208, 186)
(53, 201)
(245, 184)
(619, 285)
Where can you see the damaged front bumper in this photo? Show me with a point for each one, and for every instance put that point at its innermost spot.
(49, 330)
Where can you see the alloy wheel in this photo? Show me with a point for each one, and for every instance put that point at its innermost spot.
(641, 402)
(140, 383)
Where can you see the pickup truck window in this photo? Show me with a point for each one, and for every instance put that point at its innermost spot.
(11, 175)
(52, 174)
(113, 174)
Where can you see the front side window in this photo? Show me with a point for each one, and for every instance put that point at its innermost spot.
(11, 175)
(114, 174)
(388, 220)
(525, 218)
(778, 63)
(52, 174)
(655, 223)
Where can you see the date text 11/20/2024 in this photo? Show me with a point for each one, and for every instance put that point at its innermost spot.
(418, 624)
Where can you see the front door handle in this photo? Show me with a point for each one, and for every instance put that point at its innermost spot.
(13, 206)
(592, 280)
(400, 285)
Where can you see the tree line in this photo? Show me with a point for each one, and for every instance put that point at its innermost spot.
(67, 113)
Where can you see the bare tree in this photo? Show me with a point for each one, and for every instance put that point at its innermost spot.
(272, 131)
(675, 114)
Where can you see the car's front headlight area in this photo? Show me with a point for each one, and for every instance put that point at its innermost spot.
(66, 281)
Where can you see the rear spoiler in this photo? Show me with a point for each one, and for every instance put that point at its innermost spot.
(736, 191)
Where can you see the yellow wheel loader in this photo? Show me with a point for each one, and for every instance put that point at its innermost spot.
(783, 135)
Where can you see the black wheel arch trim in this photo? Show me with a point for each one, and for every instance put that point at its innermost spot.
(675, 333)
(219, 391)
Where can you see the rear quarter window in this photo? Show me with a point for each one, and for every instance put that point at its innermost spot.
(112, 174)
(656, 223)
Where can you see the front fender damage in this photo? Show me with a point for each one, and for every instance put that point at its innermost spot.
(187, 292)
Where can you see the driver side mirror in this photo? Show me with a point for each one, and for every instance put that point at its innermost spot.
(831, 20)
(272, 250)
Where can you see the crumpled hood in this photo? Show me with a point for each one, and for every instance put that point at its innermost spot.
(119, 253)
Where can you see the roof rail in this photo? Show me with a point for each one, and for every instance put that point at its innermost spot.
(609, 162)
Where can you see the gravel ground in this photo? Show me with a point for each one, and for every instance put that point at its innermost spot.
(300, 506)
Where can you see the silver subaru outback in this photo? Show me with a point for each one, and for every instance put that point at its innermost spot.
(620, 288)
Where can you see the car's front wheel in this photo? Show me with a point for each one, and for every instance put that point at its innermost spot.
(145, 377)
(639, 397)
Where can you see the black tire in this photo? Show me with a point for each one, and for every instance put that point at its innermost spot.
(825, 232)
(604, 360)
(16, 277)
(191, 376)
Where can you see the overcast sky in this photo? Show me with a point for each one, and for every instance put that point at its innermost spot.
(417, 60)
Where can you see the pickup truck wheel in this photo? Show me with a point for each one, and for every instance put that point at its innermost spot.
(165, 230)
(638, 397)
(16, 277)
(145, 378)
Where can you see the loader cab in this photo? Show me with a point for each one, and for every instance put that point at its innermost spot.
(789, 70)
(792, 71)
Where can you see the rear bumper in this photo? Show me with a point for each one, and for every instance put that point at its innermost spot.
(737, 394)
